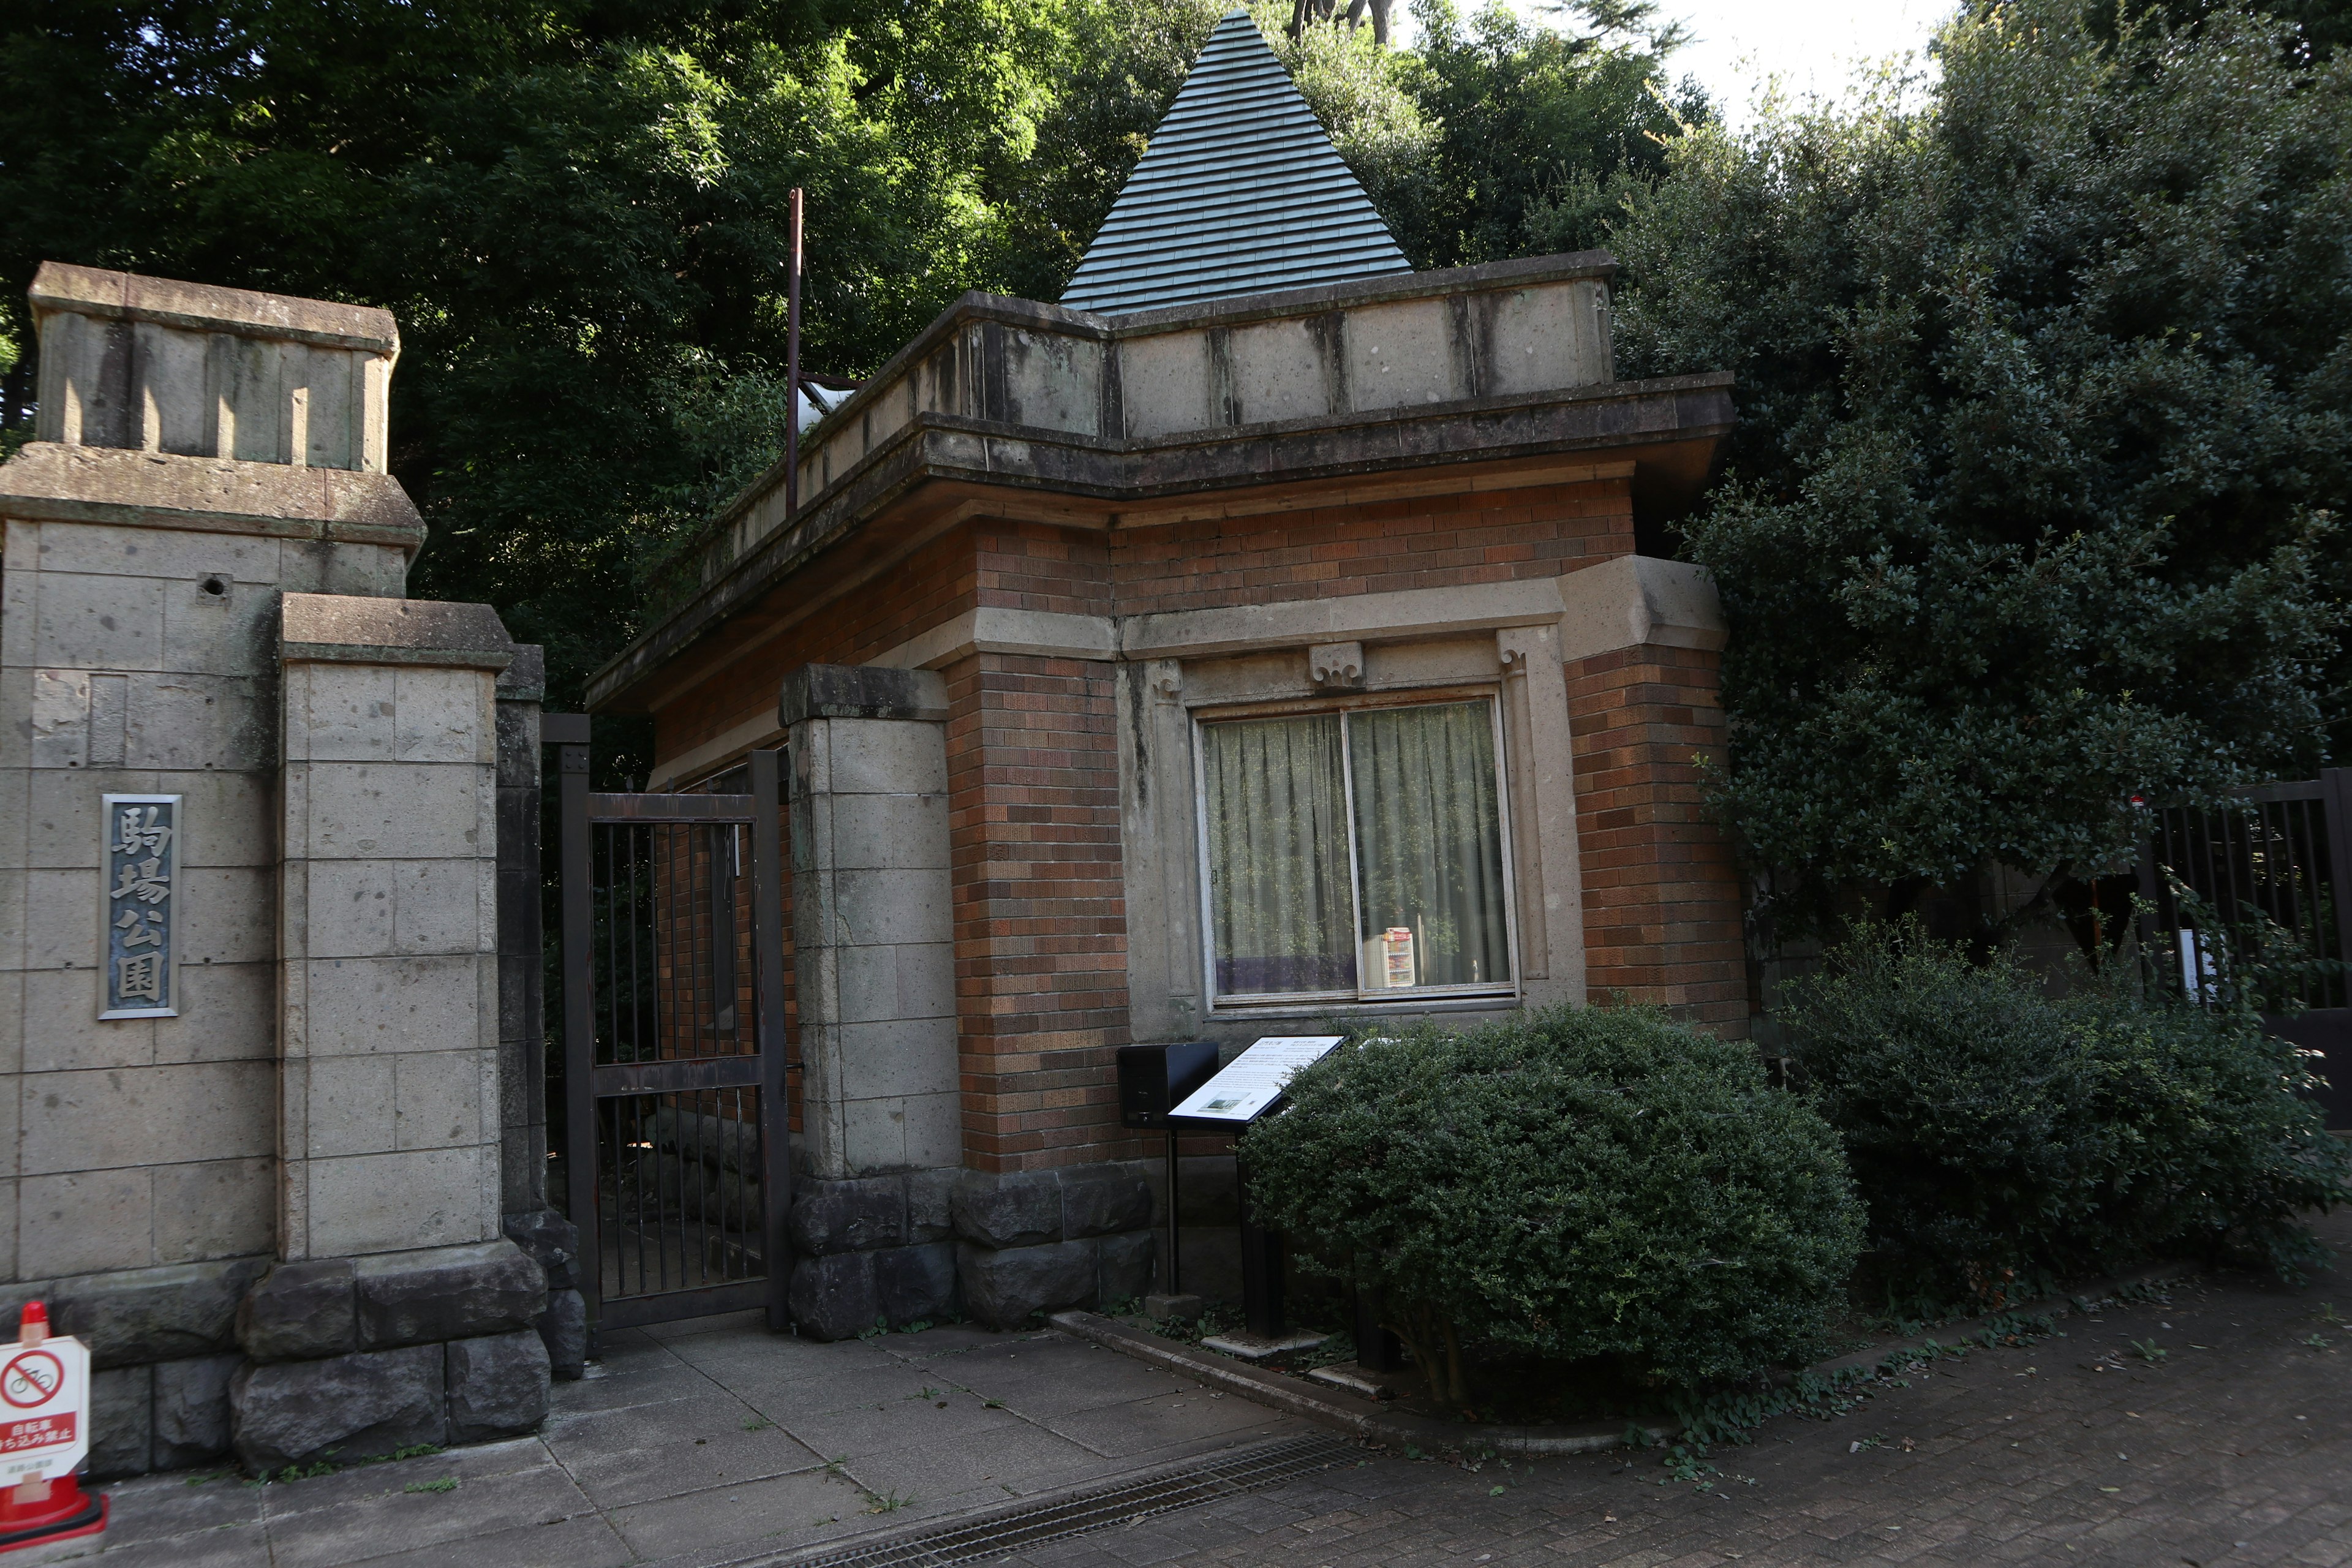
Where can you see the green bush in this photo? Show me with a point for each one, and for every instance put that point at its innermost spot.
(1572, 1184)
(1998, 1133)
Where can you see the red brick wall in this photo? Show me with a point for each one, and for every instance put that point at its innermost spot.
(935, 584)
(1033, 766)
(1040, 907)
(1372, 547)
(1662, 920)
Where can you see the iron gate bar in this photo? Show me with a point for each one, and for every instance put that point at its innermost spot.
(2286, 851)
(627, 822)
(615, 1078)
(657, 808)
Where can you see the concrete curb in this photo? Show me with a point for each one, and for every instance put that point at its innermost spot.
(1351, 1415)
(1286, 1394)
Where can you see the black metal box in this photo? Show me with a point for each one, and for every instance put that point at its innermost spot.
(1155, 1079)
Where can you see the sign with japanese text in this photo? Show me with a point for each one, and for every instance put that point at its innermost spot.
(1247, 1086)
(139, 907)
(44, 1409)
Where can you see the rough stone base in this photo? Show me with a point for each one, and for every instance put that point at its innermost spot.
(564, 1331)
(359, 1407)
(497, 1386)
(848, 1293)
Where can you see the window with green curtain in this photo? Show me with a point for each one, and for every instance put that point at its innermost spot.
(1355, 852)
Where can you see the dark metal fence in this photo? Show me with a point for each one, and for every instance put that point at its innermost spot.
(678, 1161)
(2280, 865)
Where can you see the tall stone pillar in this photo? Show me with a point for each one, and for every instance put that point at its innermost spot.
(873, 942)
(388, 917)
(874, 977)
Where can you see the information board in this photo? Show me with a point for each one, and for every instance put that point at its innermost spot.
(1251, 1081)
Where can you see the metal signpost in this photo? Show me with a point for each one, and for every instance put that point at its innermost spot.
(1251, 1086)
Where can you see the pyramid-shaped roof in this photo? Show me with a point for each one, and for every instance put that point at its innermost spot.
(1240, 192)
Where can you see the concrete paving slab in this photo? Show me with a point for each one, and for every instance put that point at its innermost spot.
(951, 1420)
(706, 1445)
(154, 1507)
(991, 1472)
(230, 1546)
(586, 1542)
(772, 1514)
(401, 1521)
(615, 1477)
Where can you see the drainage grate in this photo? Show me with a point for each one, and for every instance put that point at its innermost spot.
(999, 1534)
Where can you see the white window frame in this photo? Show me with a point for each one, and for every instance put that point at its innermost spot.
(1385, 996)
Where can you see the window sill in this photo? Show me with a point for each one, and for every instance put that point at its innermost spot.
(1499, 1002)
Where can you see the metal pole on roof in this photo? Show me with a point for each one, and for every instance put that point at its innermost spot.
(792, 368)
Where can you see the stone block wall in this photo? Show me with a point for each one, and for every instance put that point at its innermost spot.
(355, 1358)
(1029, 1242)
(998, 1248)
(200, 596)
(137, 657)
(873, 985)
(388, 912)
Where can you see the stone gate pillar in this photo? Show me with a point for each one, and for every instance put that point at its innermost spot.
(874, 980)
(247, 974)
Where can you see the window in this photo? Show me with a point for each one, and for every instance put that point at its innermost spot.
(1355, 853)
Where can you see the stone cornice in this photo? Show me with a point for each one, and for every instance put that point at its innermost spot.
(1122, 478)
(52, 482)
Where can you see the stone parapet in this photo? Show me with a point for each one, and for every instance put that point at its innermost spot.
(159, 365)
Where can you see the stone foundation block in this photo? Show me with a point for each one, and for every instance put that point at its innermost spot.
(854, 1215)
(345, 1407)
(301, 1310)
(834, 1297)
(192, 1420)
(915, 1284)
(122, 1421)
(1002, 1285)
(929, 1196)
(563, 1328)
(1124, 1265)
(1015, 1209)
(551, 1241)
(497, 1387)
(144, 1315)
(1102, 1199)
(446, 1293)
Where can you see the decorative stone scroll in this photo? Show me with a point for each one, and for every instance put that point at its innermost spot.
(139, 906)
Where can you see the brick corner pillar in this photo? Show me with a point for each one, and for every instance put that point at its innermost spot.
(1662, 890)
(872, 943)
(389, 1122)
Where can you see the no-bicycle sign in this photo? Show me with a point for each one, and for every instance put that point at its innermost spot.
(44, 1406)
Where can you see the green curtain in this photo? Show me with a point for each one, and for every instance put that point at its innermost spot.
(1429, 840)
(1277, 856)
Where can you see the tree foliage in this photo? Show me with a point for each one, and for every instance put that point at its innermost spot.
(575, 208)
(2046, 391)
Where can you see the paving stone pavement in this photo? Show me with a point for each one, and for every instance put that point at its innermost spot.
(705, 1442)
(2235, 1448)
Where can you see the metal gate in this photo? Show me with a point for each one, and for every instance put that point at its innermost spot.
(2285, 857)
(676, 1125)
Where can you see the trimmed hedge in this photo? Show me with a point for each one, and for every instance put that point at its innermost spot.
(1589, 1183)
(1995, 1132)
